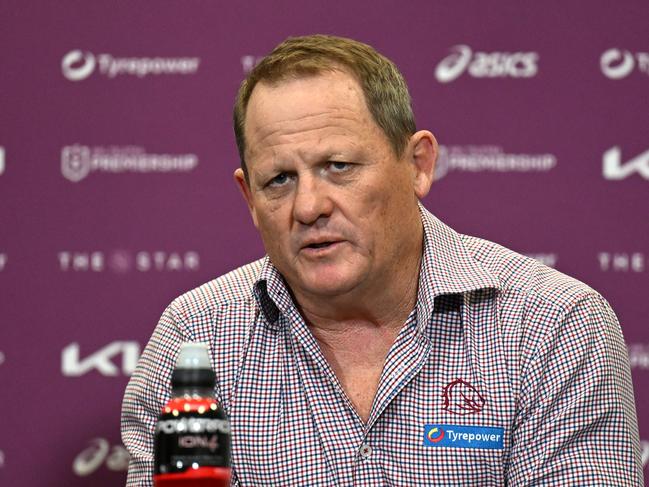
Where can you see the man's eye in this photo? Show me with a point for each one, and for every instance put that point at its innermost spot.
(279, 180)
(338, 166)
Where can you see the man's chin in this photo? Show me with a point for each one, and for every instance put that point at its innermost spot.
(329, 287)
(325, 279)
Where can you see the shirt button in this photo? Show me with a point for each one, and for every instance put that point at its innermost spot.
(366, 451)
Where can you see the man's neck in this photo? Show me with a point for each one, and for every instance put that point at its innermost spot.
(355, 334)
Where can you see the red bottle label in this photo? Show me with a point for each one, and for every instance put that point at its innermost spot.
(192, 444)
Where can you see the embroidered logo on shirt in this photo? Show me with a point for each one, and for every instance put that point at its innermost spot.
(462, 398)
(456, 436)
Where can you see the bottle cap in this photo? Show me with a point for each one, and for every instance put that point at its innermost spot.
(193, 355)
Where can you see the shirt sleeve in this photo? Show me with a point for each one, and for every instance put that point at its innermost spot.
(576, 422)
(147, 392)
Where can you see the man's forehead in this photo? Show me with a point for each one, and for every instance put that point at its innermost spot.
(337, 80)
(333, 70)
(275, 106)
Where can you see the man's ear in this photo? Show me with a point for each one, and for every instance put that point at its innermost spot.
(423, 157)
(244, 189)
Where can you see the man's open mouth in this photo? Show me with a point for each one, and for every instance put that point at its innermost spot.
(320, 245)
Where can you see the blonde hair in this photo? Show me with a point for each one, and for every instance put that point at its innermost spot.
(384, 88)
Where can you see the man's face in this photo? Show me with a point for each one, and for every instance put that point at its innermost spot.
(336, 209)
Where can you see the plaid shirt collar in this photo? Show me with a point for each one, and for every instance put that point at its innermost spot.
(447, 267)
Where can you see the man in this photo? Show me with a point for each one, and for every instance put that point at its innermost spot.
(374, 345)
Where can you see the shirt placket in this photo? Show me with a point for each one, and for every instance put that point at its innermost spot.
(352, 449)
(404, 361)
(337, 422)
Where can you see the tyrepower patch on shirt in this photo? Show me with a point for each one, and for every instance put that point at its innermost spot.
(455, 436)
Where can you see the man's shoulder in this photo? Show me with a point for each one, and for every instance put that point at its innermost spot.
(232, 288)
(520, 274)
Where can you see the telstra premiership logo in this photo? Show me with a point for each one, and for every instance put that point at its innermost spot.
(489, 158)
(77, 161)
(614, 169)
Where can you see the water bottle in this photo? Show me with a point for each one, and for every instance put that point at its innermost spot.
(192, 436)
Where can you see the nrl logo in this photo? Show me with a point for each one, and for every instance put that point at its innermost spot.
(75, 162)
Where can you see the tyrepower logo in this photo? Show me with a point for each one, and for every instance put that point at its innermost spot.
(73, 365)
(78, 65)
(99, 453)
(620, 63)
(463, 436)
(486, 64)
(77, 161)
(614, 169)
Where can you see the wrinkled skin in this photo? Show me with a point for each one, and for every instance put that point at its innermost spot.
(336, 209)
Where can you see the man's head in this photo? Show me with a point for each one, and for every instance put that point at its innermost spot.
(384, 89)
(333, 194)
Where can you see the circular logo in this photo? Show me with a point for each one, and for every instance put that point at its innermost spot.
(436, 434)
(77, 66)
(616, 64)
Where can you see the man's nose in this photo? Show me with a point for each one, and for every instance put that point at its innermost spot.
(312, 201)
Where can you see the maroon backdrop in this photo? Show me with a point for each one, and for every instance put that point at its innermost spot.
(116, 155)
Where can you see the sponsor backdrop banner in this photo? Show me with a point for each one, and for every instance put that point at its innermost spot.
(117, 153)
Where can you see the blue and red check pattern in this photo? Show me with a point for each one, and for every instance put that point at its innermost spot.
(543, 350)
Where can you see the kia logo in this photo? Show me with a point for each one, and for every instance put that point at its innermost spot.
(614, 169)
(72, 365)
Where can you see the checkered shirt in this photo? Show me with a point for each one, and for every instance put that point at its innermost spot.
(496, 340)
